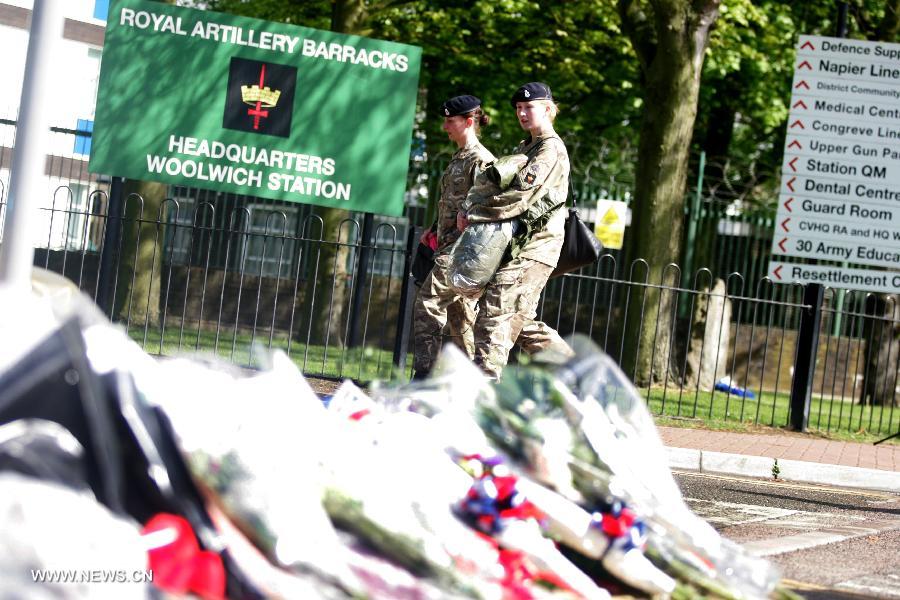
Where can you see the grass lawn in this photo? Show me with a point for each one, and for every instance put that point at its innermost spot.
(831, 417)
(247, 350)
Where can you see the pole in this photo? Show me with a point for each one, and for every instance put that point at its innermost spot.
(841, 32)
(841, 29)
(26, 183)
(111, 239)
(356, 300)
(407, 297)
(805, 365)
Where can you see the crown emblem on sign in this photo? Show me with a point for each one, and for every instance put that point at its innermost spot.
(251, 94)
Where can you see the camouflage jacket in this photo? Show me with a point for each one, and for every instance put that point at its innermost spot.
(458, 177)
(536, 195)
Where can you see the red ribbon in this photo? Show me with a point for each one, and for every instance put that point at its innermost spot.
(430, 239)
(181, 566)
(617, 526)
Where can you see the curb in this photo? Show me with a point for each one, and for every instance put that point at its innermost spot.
(721, 463)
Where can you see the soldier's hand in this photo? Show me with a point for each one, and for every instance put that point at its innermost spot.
(461, 221)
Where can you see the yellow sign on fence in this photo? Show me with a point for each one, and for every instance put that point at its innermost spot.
(610, 225)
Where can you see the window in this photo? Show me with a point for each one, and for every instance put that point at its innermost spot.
(179, 231)
(83, 139)
(95, 57)
(101, 9)
(270, 243)
(390, 246)
(77, 218)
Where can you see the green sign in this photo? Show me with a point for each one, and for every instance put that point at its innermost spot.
(211, 100)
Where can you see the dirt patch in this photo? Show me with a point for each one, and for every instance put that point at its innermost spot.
(323, 386)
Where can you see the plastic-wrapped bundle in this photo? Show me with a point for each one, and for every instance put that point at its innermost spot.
(586, 453)
(477, 254)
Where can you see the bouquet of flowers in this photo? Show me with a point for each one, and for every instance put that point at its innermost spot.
(524, 488)
(587, 456)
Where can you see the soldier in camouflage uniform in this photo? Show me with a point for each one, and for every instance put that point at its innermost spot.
(537, 198)
(437, 305)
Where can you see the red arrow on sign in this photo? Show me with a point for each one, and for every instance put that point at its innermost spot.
(800, 103)
(795, 144)
(784, 224)
(797, 122)
(787, 204)
(801, 84)
(777, 271)
(792, 161)
(790, 183)
(806, 64)
(781, 245)
(808, 44)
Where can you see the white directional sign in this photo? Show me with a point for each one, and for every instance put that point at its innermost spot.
(840, 277)
(840, 187)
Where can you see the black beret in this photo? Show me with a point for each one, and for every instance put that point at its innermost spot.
(532, 91)
(459, 105)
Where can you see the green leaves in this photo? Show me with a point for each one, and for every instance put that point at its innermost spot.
(580, 48)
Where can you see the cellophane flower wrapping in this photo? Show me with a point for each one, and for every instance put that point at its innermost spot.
(470, 488)
(615, 421)
(584, 445)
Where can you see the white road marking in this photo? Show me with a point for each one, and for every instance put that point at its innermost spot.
(816, 529)
(729, 513)
(811, 539)
(874, 585)
(814, 521)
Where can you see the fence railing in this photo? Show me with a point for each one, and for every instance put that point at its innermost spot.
(226, 274)
(207, 276)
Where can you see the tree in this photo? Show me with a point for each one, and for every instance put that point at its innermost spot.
(140, 260)
(882, 331)
(332, 275)
(490, 48)
(670, 38)
(487, 49)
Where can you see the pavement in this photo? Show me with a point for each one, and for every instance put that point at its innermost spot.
(800, 457)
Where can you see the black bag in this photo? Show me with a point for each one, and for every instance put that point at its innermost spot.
(580, 247)
(131, 459)
(422, 263)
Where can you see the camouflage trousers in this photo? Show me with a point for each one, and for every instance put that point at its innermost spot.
(442, 316)
(506, 314)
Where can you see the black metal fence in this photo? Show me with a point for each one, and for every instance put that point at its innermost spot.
(208, 274)
(227, 274)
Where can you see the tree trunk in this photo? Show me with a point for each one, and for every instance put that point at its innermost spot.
(881, 332)
(332, 291)
(672, 61)
(349, 16)
(720, 128)
(140, 251)
(140, 254)
(889, 26)
(881, 355)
